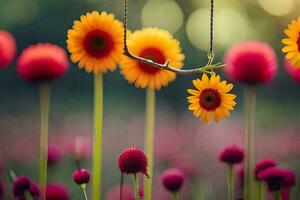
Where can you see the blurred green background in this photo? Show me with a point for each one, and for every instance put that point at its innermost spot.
(33, 21)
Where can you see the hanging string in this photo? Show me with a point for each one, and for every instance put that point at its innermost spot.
(208, 68)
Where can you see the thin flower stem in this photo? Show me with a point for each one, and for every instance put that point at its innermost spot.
(250, 100)
(277, 195)
(261, 190)
(97, 136)
(85, 195)
(28, 195)
(136, 186)
(45, 107)
(230, 182)
(175, 196)
(149, 140)
(206, 69)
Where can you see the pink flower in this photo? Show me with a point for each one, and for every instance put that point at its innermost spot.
(231, 155)
(7, 48)
(293, 71)
(20, 185)
(56, 191)
(42, 62)
(251, 62)
(289, 179)
(263, 165)
(172, 179)
(274, 177)
(54, 155)
(132, 161)
(81, 176)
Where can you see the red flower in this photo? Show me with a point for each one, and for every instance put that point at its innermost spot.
(251, 62)
(56, 192)
(172, 179)
(81, 176)
(54, 155)
(293, 71)
(7, 48)
(42, 62)
(263, 165)
(232, 155)
(20, 185)
(274, 177)
(132, 161)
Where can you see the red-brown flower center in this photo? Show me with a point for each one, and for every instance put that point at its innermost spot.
(210, 99)
(298, 42)
(154, 55)
(98, 43)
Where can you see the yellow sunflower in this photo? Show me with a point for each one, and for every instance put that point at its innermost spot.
(210, 99)
(157, 45)
(292, 48)
(96, 42)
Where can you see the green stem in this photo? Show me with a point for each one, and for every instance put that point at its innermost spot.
(84, 192)
(277, 195)
(261, 190)
(149, 140)
(28, 195)
(230, 182)
(175, 195)
(250, 100)
(97, 137)
(45, 107)
(136, 187)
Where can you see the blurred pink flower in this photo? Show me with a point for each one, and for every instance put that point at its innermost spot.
(293, 71)
(54, 155)
(8, 48)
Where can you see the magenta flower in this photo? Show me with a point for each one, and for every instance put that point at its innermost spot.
(81, 176)
(133, 161)
(251, 62)
(20, 185)
(293, 71)
(172, 179)
(231, 155)
(274, 177)
(263, 165)
(56, 191)
(54, 155)
(8, 48)
(42, 62)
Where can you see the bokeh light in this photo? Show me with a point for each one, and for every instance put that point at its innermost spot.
(230, 19)
(163, 14)
(277, 7)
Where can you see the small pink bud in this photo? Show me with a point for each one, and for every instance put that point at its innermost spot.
(81, 176)
(231, 155)
(172, 179)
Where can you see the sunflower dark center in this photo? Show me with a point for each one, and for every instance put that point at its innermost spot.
(98, 43)
(154, 55)
(298, 42)
(210, 99)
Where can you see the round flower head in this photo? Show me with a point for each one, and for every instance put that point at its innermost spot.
(56, 192)
(96, 42)
(274, 177)
(292, 70)
(54, 155)
(20, 185)
(172, 179)
(81, 176)
(292, 42)
(132, 161)
(289, 179)
(42, 62)
(157, 45)
(7, 49)
(263, 165)
(251, 62)
(211, 98)
(231, 155)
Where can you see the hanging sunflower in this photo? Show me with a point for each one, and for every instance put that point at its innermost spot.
(211, 98)
(96, 42)
(157, 45)
(292, 42)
